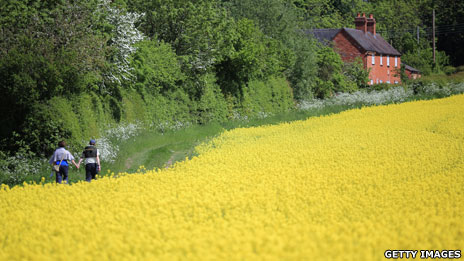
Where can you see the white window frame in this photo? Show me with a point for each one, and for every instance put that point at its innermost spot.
(388, 60)
(381, 81)
(396, 61)
(388, 82)
(381, 63)
(372, 82)
(373, 59)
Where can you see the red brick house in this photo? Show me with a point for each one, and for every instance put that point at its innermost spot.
(379, 57)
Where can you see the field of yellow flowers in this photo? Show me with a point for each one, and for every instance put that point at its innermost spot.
(345, 186)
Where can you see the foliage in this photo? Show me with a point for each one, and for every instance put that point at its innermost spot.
(212, 106)
(283, 21)
(330, 76)
(450, 18)
(448, 70)
(269, 97)
(195, 30)
(124, 37)
(329, 13)
(356, 74)
(253, 57)
(156, 68)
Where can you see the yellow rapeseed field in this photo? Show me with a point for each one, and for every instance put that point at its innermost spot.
(346, 186)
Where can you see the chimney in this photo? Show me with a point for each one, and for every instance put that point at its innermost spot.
(361, 22)
(371, 24)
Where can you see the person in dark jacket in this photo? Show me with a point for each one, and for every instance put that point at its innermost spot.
(62, 157)
(91, 156)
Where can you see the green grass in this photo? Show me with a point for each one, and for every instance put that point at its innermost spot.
(443, 78)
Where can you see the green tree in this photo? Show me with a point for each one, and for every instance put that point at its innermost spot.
(254, 56)
(157, 69)
(330, 75)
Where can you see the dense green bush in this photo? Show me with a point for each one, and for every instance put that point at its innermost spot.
(266, 97)
(330, 77)
(212, 106)
(448, 70)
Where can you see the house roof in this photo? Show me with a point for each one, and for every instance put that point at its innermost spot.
(370, 42)
(367, 41)
(324, 35)
(409, 68)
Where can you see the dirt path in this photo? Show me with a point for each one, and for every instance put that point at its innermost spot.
(130, 160)
(129, 163)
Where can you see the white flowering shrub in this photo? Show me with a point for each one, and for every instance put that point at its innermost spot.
(167, 125)
(397, 94)
(393, 95)
(107, 144)
(237, 116)
(442, 90)
(125, 35)
(14, 169)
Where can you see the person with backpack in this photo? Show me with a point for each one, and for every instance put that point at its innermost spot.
(91, 156)
(60, 162)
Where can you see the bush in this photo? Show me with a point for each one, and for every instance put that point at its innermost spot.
(171, 110)
(156, 68)
(262, 98)
(330, 74)
(460, 68)
(212, 105)
(448, 70)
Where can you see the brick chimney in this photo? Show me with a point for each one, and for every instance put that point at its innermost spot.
(371, 24)
(361, 22)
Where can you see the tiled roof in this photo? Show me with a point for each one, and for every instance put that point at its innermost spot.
(370, 42)
(367, 41)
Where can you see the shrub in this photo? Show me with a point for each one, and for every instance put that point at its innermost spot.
(212, 105)
(460, 68)
(266, 97)
(448, 70)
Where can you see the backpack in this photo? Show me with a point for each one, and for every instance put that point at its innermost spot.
(90, 152)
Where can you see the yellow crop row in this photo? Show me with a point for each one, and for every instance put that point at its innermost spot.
(345, 186)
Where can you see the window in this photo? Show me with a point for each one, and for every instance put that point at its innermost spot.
(373, 59)
(388, 60)
(381, 62)
(372, 82)
(396, 82)
(396, 61)
(381, 81)
(388, 82)
(377, 81)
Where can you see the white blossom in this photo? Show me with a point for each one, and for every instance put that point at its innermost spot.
(125, 36)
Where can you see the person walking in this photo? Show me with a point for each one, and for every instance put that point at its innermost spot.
(91, 155)
(62, 157)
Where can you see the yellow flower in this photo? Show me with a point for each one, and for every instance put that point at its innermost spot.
(345, 186)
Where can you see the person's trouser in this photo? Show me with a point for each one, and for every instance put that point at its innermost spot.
(91, 171)
(62, 174)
